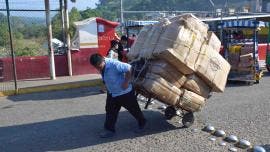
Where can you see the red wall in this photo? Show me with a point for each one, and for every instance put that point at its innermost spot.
(38, 66)
(61, 65)
(262, 48)
(26, 67)
(80, 62)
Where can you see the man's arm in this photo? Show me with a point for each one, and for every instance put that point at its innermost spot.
(127, 79)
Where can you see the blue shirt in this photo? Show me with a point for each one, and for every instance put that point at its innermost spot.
(114, 76)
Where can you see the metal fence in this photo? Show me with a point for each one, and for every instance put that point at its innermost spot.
(26, 39)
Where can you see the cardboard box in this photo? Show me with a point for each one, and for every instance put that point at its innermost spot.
(138, 44)
(190, 101)
(213, 41)
(152, 39)
(197, 85)
(246, 57)
(161, 89)
(192, 22)
(247, 48)
(180, 47)
(182, 61)
(244, 64)
(167, 71)
(212, 68)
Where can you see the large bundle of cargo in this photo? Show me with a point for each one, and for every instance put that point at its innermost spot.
(182, 64)
(242, 61)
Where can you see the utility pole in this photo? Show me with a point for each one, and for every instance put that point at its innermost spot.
(122, 17)
(66, 20)
(258, 6)
(62, 20)
(49, 33)
(11, 47)
(213, 5)
(226, 7)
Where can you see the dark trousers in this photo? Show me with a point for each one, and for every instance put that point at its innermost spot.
(114, 104)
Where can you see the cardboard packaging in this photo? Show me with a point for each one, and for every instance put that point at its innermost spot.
(190, 101)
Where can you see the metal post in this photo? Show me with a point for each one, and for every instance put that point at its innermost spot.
(49, 32)
(213, 5)
(223, 40)
(122, 17)
(11, 47)
(62, 19)
(66, 20)
(255, 52)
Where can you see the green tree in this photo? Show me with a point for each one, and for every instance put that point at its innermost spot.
(27, 47)
(90, 13)
(74, 16)
(57, 27)
(33, 31)
(4, 37)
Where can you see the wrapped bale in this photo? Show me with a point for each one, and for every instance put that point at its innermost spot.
(246, 69)
(167, 72)
(213, 41)
(245, 64)
(246, 57)
(160, 89)
(152, 39)
(191, 22)
(234, 59)
(212, 68)
(247, 48)
(180, 47)
(198, 86)
(190, 101)
(137, 46)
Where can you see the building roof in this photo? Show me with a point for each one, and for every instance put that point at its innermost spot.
(243, 23)
(98, 20)
(131, 23)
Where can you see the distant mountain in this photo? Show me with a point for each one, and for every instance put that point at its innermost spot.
(105, 6)
(23, 19)
(33, 20)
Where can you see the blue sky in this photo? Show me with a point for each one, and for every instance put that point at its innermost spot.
(39, 4)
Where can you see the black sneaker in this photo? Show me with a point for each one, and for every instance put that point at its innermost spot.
(141, 127)
(106, 134)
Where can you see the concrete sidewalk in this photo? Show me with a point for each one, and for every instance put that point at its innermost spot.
(46, 84)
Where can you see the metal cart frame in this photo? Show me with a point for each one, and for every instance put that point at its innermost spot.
(227, 41)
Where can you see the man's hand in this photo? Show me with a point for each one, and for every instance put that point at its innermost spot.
(127, 79)
(125, 85)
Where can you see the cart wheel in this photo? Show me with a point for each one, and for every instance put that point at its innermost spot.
(170, 112)
(188, 119)
(250, 83)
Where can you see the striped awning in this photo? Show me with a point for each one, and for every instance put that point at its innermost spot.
(138, 23)
(243, 23)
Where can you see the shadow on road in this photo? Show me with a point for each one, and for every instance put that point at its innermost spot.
(238, 84)
(54, 95)
(75, 132)
(266, 74)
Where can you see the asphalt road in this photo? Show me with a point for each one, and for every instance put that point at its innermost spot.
(71, 120)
